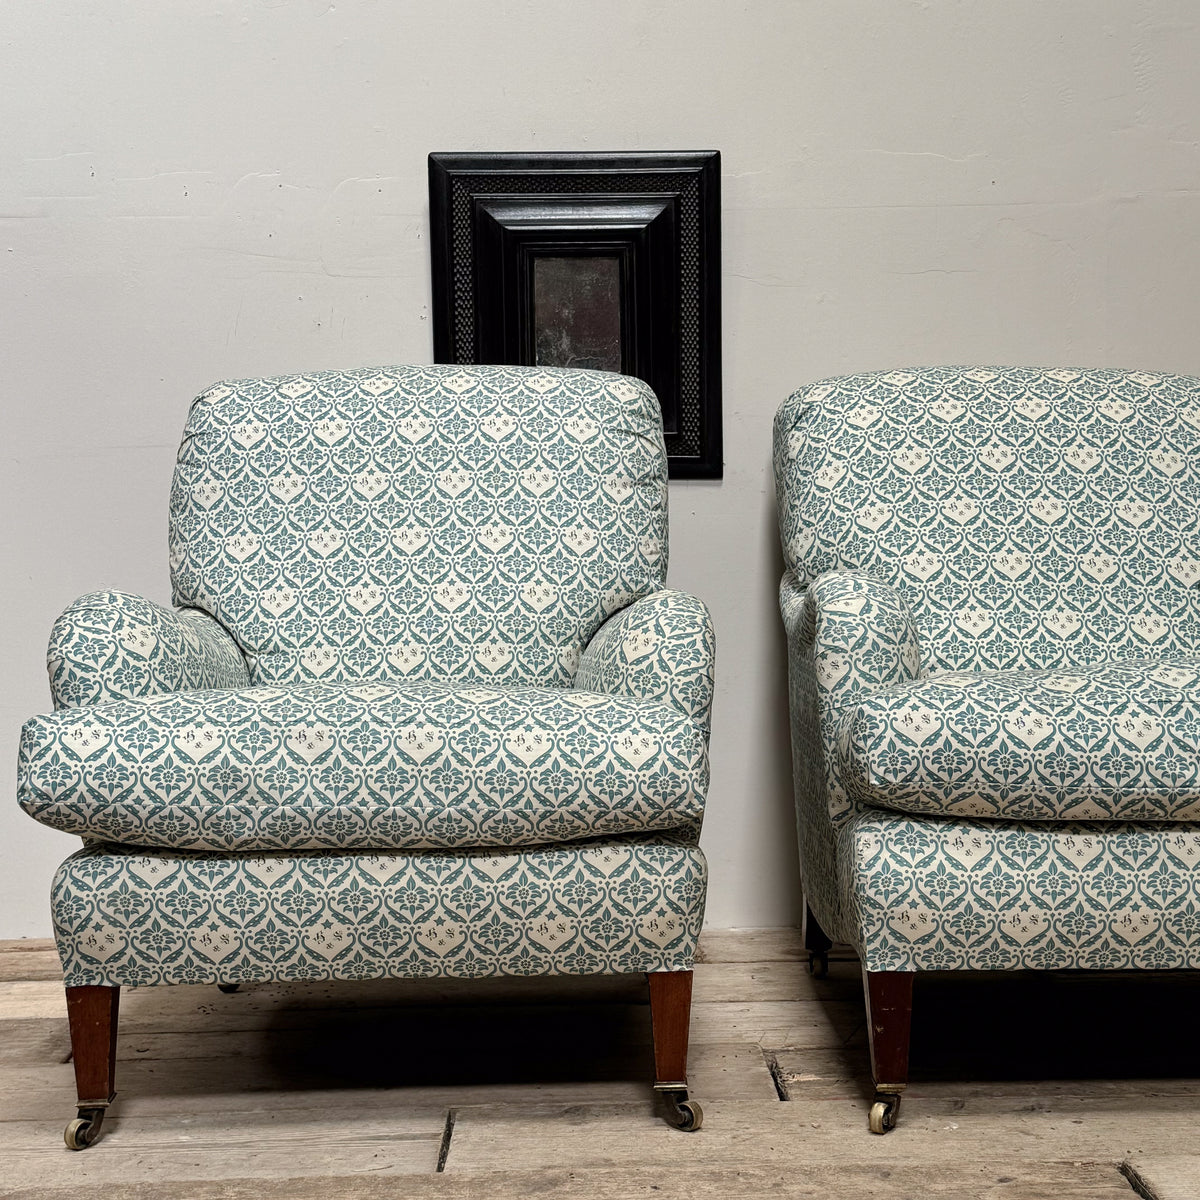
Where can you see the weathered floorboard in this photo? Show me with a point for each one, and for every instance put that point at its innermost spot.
(294, 1089)
(249, 1083)
(820, 1181)
(30, 964)
(749, 945)
(999, 1130)
(214, 1146)
(1165, 1177)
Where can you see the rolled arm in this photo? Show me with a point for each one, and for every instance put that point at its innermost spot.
(662, 647)
(858, 630)
(118, 646)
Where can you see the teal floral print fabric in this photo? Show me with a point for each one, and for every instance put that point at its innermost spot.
(419, 523)
(662, 647)
(127, 917)
(116, 646)
(997, 565)
(364, 766)
(1115, 742)
(943, 895)
(1029, 519)
(848, 634)
(424, 707)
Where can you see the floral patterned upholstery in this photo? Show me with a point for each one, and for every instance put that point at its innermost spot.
(1117, 741)
(937, 895)
(621, 905)
(364, 766)
(114, 646)
(993, 619)
(424, 707)
(424, 523)
(659, 648)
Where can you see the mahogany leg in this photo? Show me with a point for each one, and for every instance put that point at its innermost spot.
(817, 942)
(92, 1016)
(670, 1018)
(889, 1024)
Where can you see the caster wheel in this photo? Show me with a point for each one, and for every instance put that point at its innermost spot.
(883, 1114)
(818, 964)
(228, 987)
(682, 1113)
(83, 1130)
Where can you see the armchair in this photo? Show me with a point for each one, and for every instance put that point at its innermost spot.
(424, 707)
(993, 626)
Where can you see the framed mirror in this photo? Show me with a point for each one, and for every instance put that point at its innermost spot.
(607, 261)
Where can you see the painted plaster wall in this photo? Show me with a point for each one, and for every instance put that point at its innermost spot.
(189, 192)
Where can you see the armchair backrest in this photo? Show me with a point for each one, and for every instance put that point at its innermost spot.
(430, 523)
(1030, 518)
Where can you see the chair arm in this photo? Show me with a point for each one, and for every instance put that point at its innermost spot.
(858, 631)
(118, 646)
(661, 647)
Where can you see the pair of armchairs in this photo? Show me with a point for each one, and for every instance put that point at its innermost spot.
(424, 708)
(992, 603)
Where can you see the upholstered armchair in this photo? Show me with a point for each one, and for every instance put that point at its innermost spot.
(424, 707)
(993, 617)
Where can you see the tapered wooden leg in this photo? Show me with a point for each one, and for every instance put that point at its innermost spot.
(670, 1017)
(889, 1024)
(92, 1015)
(816, 942)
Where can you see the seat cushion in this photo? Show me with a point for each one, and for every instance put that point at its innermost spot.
(363, 766)
(1116, 741)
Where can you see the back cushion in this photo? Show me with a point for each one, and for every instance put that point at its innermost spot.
(435, 523)
(1030, 518)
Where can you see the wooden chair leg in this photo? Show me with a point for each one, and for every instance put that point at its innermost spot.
(670, 1018)
(889, 1024)
(817, 942)
(92, 1016)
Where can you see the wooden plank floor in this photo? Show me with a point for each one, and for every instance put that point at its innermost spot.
(541, 1087)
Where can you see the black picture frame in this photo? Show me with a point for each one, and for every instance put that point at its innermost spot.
(494, 217)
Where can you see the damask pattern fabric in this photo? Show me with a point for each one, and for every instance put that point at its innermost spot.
(848, 635)
(375, 740)
(125, 917)
(1114, 742)
(1008, 527)
(364, 766)
(420, 523)
(936, 895)
(1037, 519)
(661, 647)
(114, 646)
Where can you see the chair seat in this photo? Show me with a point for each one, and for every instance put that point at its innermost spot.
(131, 917)
(364, 766)
(1113, 741)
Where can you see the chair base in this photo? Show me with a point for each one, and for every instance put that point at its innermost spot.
(670, 1017)
(129, 917)
(816, 941)
(621, 906)
(889, 1026)
(93, 1018)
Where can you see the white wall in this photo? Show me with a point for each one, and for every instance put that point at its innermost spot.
(189, 192)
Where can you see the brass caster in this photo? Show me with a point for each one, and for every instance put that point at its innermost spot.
(682, 1113)
(228, 987)
(818, 964)
(884, 1112)
(84, 1130)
